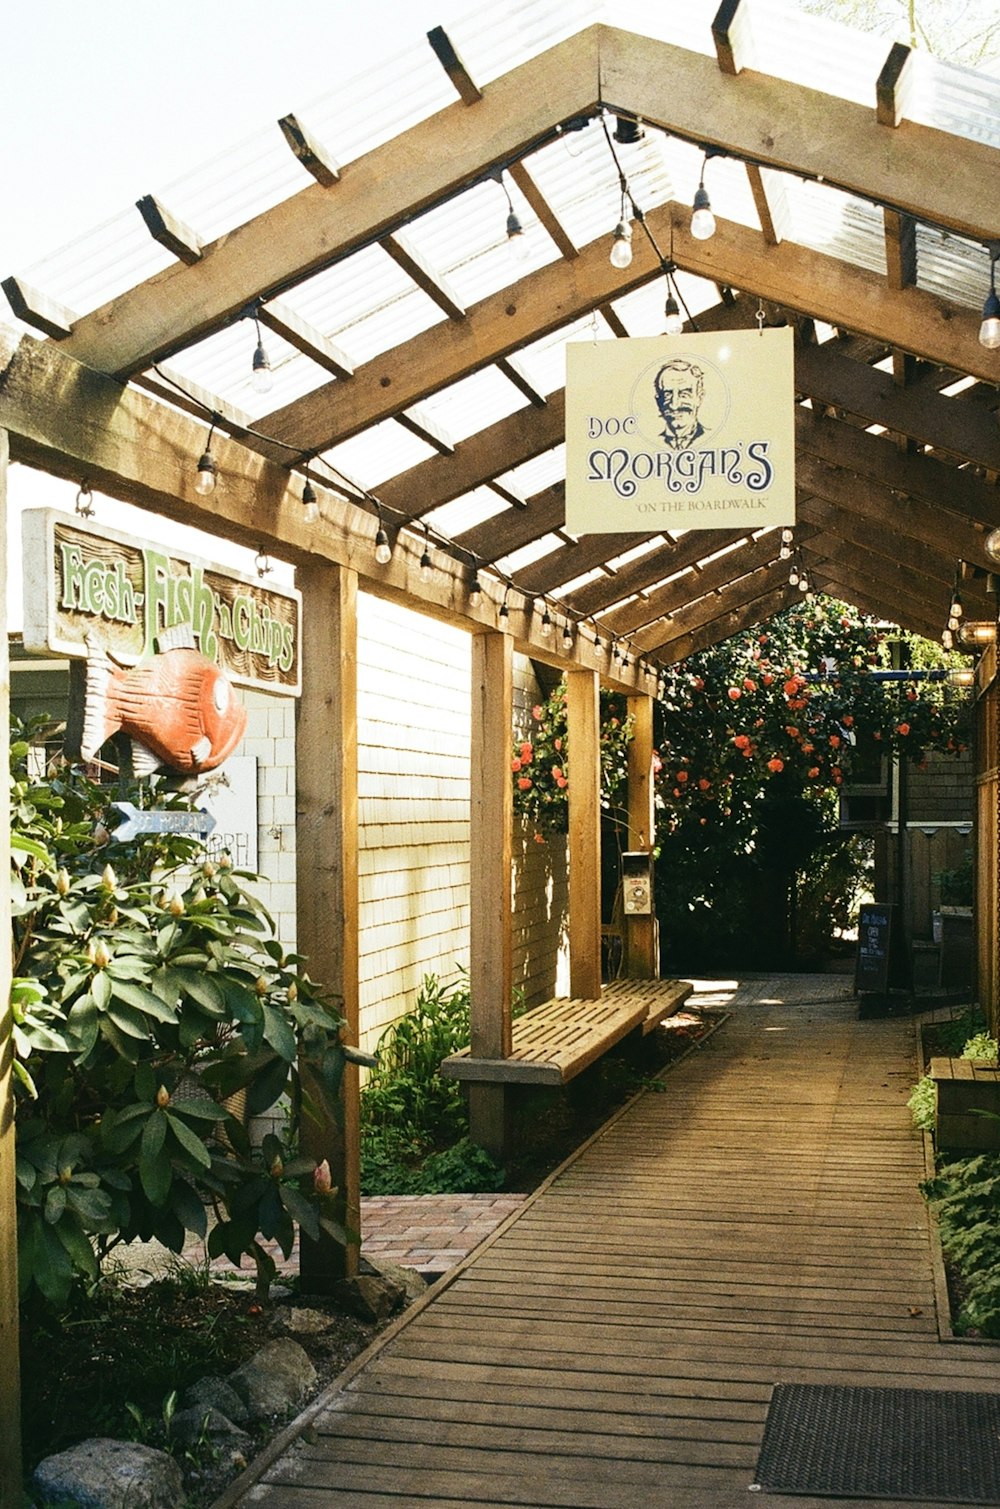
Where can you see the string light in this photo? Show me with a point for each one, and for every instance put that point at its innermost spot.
(475, 590)
(785, 553)
(310, 502)
(260, 374)
(546, 624)
(208, 467)
(567, 635)
(383, 548)
(600, 648)
(503, 613)
(702, 219)
(426, 564)
(517, 242)
(621, 245)
(989, 330)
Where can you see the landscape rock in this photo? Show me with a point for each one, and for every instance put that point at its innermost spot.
(229, 1445)
(275, 1380)
(216, 1393)
(369, 1296)
(104, 1474)
(410, 1280)
(302, 1321)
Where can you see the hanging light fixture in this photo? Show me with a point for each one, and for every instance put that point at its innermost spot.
(261, 376)
(475, 590)
(702, 219)
(785, 552)
(977, 633)
(962, 676)
(503, 612)
(546, 624)
(383, 548)
(621, 245)
(426, 564)
(263, 563)
(310, 502)
(947, 638)
(85, 501)
(517, 242)
(672, 310)
(989, 330)
(600, 648)
(208, 467)
(567, 636)
(628, 132)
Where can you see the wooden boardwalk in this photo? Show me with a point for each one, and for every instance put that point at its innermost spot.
(615, 1345)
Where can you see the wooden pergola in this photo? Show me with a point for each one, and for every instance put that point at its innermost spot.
(898, 444)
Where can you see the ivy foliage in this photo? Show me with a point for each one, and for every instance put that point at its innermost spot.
(149, 991)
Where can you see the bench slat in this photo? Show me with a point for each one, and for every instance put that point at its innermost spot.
(554, 1042)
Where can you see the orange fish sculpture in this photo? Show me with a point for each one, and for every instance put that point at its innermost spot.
(178, 708)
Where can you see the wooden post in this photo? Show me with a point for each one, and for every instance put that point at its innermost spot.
(584, 731)
(490, 903)
(10, 1390)
(641, 942)
(326, 779)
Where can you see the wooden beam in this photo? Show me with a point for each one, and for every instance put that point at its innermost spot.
(10, 1405)
(510, 530)
(900, 249)
(466, 87)
(894, 87)
(490, 855)
(179, 239)
(867, 598)
(515, 372)
(38, 310)
(771, 201)
(554, 296)
(734, 620)
(733, 37)
(311, 230)
(712, 577)
(584, 841)
(310, 153)
(570, 561)
(326, 857)
(73, 422)
(420, 423)
(278, 316)
(648, 569)
(510, 442)
(657, 638)
(613, 321)
(640, 941)
(545, 214)
(930, 587)
(415, 265)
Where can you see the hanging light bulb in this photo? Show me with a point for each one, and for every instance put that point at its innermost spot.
(947, 638)
(956, 609)
(787, 535)
(621, 246)
(503, 613)
(546, 624)
(674, 322)
(567, 636)
(702, 219)
(793, 577)
(803, 583)
(261, 377)
(208, 469)
(310, 503)
(383, 549)
(517, 241)
(475, 590)
(954, 623)
(989, 330)
(426, 564)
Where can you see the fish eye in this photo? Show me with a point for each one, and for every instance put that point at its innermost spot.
(220, 694)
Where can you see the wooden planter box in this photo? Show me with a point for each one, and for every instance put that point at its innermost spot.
(964, 1087)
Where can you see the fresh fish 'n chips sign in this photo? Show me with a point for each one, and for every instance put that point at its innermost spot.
(680, 432)
(84, 582)
(164, 638)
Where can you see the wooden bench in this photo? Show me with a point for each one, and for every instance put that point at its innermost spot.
(965, 1087)
(553, 1043)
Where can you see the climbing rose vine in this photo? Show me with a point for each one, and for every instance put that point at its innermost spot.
(540, 761)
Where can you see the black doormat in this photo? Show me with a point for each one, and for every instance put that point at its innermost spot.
(898, 1443)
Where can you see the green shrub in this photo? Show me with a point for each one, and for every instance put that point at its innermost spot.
(922, 1104)
(951, 1036)
(982, 1046)
(149, 989)
(405, 1092)
(966, 1197)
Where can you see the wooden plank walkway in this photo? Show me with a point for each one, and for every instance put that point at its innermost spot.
(615, 1345)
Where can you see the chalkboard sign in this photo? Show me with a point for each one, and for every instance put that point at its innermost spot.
(871, 971)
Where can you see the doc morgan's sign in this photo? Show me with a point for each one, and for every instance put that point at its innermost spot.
(84, 584)
(680, 432)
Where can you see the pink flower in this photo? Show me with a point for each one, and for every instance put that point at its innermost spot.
(536, 712)
(322, 1181)
(515, 765)
(524, 783)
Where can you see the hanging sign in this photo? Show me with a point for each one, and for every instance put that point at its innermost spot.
(690, 431)
(85, 585)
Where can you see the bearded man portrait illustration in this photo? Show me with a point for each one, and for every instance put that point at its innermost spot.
(679, 388)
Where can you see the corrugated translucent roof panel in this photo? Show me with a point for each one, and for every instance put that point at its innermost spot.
(466, 512)
(382, 451)
(474, 403)
(529, 554)
(961, 100)
(536, 475)
(838, 224)
(953, 268)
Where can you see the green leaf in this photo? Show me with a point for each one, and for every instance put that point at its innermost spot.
(55, 1203)
(100, 989)
(191, 1144)
(146, 1001)
(155, 1175)
(154, 1133)
(299, 1209)
(188, 1208)
(201, 1110)
(278, 1032)
(203, 989)
(128, 1020)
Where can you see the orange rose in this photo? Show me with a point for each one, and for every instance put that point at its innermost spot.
(524, 783)
(775, 765)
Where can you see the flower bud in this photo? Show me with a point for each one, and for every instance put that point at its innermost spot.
(277, 1167)
(101, 955)
(162, 1097)
(109, 879)
(261, 986)
(63, 882)
(175, 905)
(208, 869)
(322, 1181)
(293, 991)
